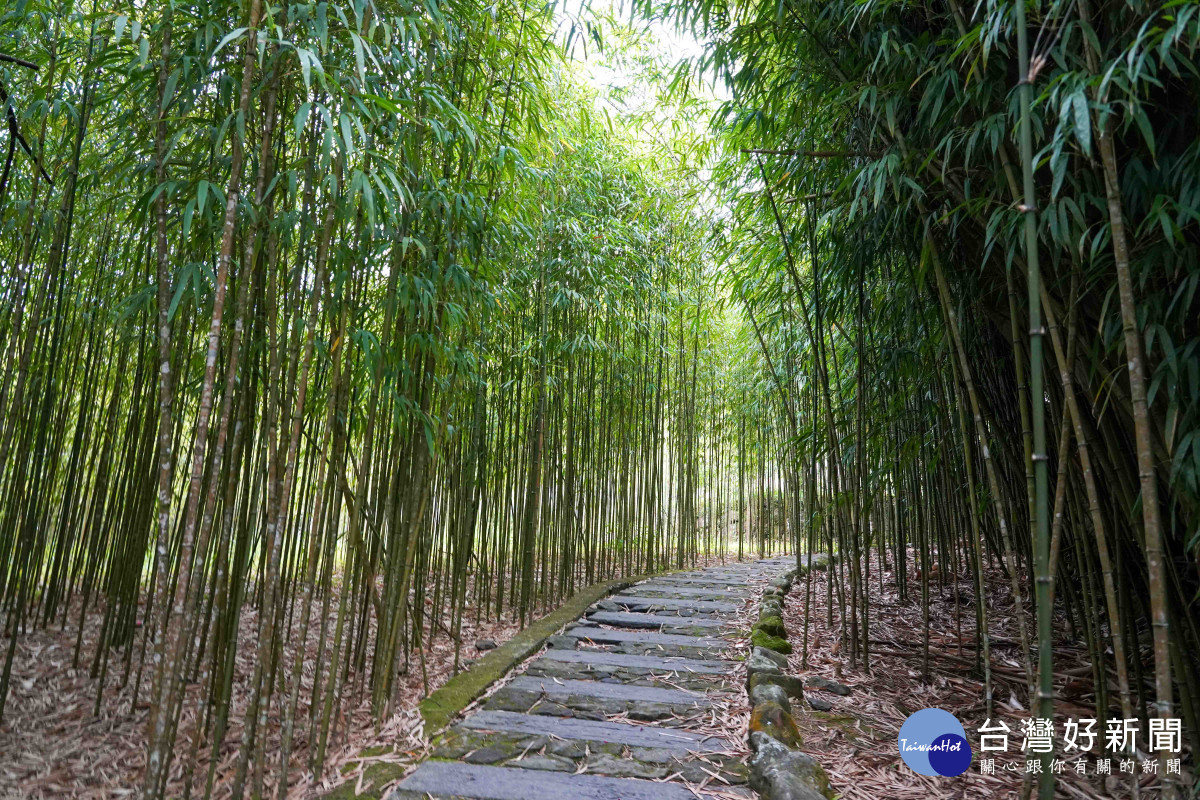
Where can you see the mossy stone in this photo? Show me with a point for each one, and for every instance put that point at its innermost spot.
(770, 693)
(792, 685)
(770, 610)
(617, 767)
(776, 658)
(772, 625)
(759, 663)
(544, 763)
(771, 719)
(778, 772)
(760, 638)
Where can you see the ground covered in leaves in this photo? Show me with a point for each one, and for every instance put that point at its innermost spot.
(66, 735)
(856, 741)
(57, 741)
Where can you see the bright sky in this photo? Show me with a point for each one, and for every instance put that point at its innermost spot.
(623, 79)
(621, 84)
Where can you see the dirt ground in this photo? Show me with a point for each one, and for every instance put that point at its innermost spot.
(856, 741)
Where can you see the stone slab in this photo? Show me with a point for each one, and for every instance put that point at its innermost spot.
(606, 691)
(629, 619)
(730, 581)
(594, 731)
(683, 591)
(444, 779)
(607, 636)
(667, 602)
(702, 583)
(698, 666)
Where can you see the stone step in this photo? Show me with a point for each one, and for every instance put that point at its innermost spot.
(616, 718)
(731, 578)
(594, 731)
(739, 582)
(736, 578)
(725, 572)
(628, 619)
(605, 658)
(609, 636)
(445, 780)
(651, 603)
(556, 689)
(681, 592)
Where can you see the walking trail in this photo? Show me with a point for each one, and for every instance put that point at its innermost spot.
(637, 700)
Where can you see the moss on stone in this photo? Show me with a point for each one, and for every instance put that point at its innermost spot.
(771, 719)
(778, 772)
(792, 685)
(775, 658)
(771, 625)
(760, 638)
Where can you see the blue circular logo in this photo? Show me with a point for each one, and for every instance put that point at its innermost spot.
(933, 742)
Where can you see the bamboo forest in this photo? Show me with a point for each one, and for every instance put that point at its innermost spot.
(354, 348)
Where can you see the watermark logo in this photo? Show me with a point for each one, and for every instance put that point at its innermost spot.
(933, 742)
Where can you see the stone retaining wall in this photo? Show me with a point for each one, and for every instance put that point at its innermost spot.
(779, 769)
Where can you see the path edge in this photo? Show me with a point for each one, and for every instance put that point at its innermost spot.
(779, 769)
(445, 703)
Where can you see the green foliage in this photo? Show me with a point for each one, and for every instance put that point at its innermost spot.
(870, 151)
(434, 336)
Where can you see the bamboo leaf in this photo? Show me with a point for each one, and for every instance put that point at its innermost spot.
(1083, 123)
(232, 36)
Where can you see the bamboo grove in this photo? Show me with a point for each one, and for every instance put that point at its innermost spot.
(325, 325)
(965, 236)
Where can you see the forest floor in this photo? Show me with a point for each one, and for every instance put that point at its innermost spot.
(56, 741)
(856, 741)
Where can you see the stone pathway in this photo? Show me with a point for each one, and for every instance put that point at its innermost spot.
(624, 705)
